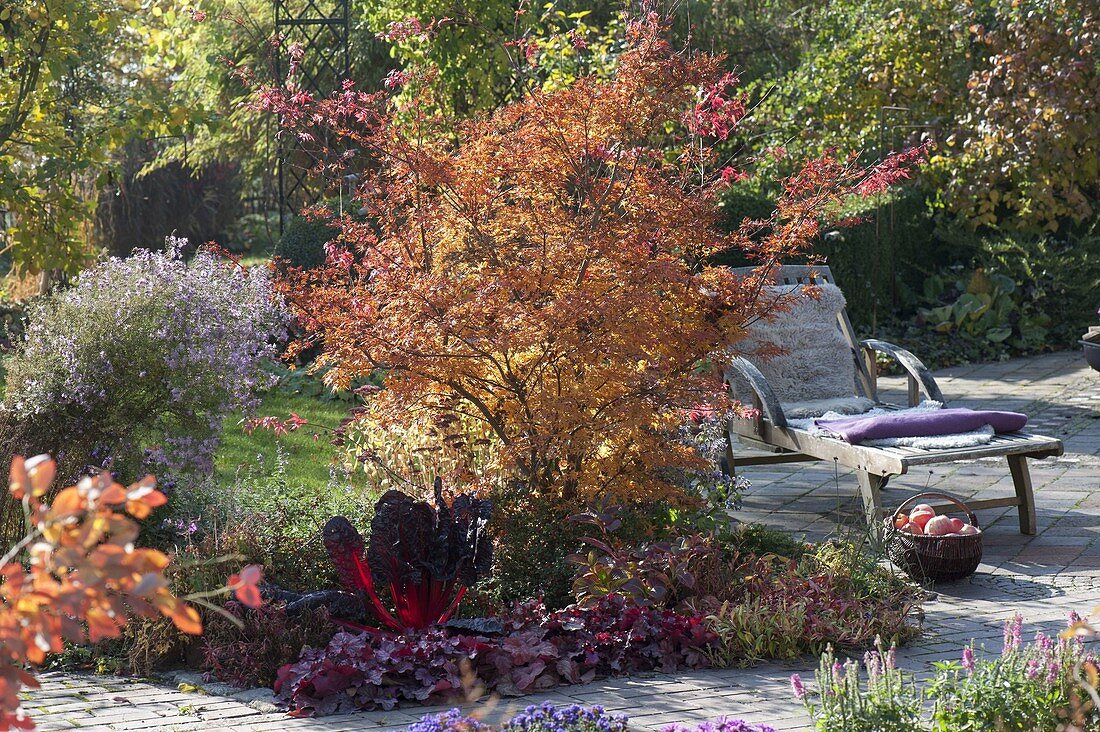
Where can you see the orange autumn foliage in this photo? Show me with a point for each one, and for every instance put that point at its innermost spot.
(544, 269)
(82, 577)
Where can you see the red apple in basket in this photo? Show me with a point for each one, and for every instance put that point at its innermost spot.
(911, 528)
(924, 507)
(922, 517)
(969, 530)
(956, 525)
(938, 526)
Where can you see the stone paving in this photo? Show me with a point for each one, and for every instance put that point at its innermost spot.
(1043, 577)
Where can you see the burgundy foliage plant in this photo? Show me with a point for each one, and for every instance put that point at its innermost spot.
(537, 650)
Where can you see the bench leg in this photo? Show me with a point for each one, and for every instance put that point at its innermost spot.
(1021, 479)
(870, 486)
(729, 461)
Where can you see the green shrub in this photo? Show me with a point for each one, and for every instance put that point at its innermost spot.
(758, 539)
(535, 536)
(989, 306)
(1057, 280)
(1005, 296)
(881, 262)
(533, 539)
(304, 238)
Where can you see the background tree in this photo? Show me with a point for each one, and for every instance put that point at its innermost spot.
(1027, 156)
(78, 79)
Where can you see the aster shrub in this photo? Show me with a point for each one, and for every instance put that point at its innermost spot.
(146, 356)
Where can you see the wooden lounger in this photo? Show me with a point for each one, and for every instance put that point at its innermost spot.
(874, 466)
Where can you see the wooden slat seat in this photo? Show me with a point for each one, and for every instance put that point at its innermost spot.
(874, 466)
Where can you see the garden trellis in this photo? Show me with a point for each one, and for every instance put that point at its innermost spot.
(320, 28)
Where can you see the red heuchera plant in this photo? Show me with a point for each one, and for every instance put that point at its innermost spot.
(427, 556)
(544, 269)
(539, 650)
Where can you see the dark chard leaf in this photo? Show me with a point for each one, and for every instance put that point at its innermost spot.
(401, 534)
(345, 547)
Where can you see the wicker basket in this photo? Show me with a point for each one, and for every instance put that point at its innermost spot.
(935, 558)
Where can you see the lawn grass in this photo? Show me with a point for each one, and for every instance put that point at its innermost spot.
(309, 450)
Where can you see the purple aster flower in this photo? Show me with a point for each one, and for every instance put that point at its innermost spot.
(188, 336)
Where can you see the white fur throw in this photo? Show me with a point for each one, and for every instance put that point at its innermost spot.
(817, 407)
(816, 362)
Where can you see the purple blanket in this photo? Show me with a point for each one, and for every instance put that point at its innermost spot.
(921, 424)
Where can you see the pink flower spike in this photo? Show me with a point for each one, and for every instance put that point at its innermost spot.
(798, 687)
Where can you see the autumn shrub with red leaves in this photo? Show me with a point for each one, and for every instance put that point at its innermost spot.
(76, 576)
(544, 269)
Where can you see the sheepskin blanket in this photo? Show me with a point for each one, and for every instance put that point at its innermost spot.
(803, 354)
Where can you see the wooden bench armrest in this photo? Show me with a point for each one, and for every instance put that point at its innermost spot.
(919, 375)
(764, 398)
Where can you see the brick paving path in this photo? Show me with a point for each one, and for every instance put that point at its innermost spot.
(1043, 577)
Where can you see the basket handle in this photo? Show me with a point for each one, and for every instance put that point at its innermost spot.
(913, 499)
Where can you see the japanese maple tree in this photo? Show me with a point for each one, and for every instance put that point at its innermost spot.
(544, 269)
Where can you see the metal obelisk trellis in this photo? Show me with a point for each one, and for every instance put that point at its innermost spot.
(321, 28)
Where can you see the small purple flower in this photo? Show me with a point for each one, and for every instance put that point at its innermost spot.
(1013, 634)
(798, 687)
(450, 721)
(968, 659)
(1032, 669)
